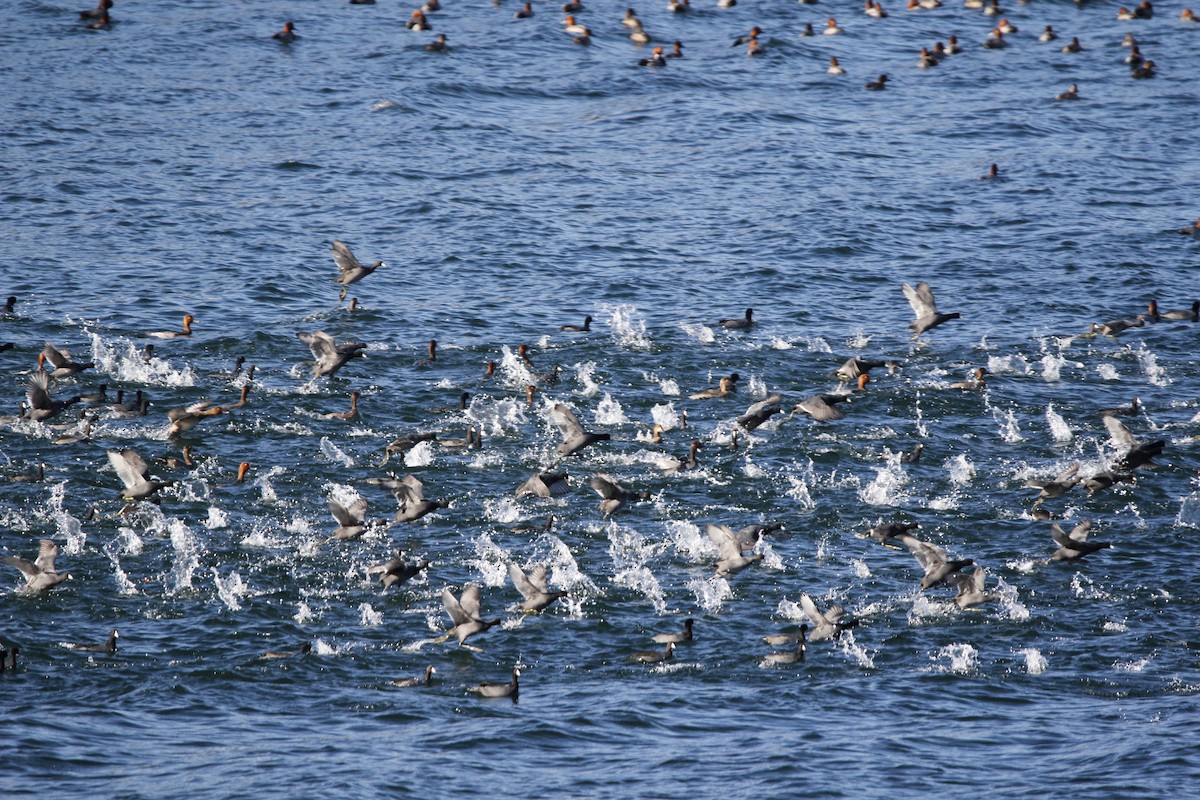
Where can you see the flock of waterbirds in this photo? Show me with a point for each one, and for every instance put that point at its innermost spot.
(738, 549)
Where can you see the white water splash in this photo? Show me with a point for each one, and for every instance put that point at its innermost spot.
(1058, 426)
(217, 519)
(303, 614)
(628, 329)
(369, 617)
(961, 470)
(780, 344)
(887, 487)
(1149, 362)
(503, 510)
(609, 411)
(187, 558)
(629, 552)
(1006, 422)
(1035, 662)
(421, 455)
(799, 492)
(690, 542)
(962, 659)
(701, 333)
(710, 592)
(919, 419)
(230, 589)
(1133, 665)
(124, 585)
(335, 454)
(491, 560)
(127, 363)
(859, 340)
(859, 654)
(1107, 372)
(128, 542)
(860, 568)
(67, 526)
(585, 375)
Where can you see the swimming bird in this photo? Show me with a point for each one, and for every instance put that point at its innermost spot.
(1190, 315)
(1190, 230)
(471, 441)
(676, 50)
(545, 484)
(754, 34)
(303, 650)
(834, 67)
(330, 356)
(722, 390)
(683, 464)
(970, 589)
(875, 10)
(511, 689)
(288, 34)
(679, 6)
(425, 679)
(1047, 35)
(1071, 93)
(938, 569)
(96, 397)
(410, 494)
(586, 326)
(575, 438)
(912, 456)
(350, 269)
(1061, 484)
(760, 412)
(416, 22)
(97, 12)
(885, 531)
(656, 58)
(1072, 46)
(831, 27)
(612, 494)
(533, 588)
(878, 84)
(1187, 15)
(524, 11)
(11, 655)
(40, 574)
(925, 309)
(1074, 545)
(34, 476)
(995, 41)
(738, 323)
(41, 406)
(397, 571)
(976, 382)
(676, 637)
(640, 36)
(827, 624)
(1144, 10)
(183, 332)
(730, 560)
(465, 615)
(348, 414)
(64, 367)
(133, 471)
(436, 46)
(185, 418)
(1136, 454)
(654, 656)
(245, 393)
(1143, 70)
(351, 519)
(108, 646)
(788, 656)
(821, 407)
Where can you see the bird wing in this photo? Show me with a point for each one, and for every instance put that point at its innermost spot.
(37, 390)
(763, 405)
(346, 516)
(568, 424)
(1080, 532)
(320, 343)
(1060, 537)
(1068, 474)
(469, 601)
(343, 257)
(414, 490)
(457, 614)
(1119, 433)
(606, 487)
(55, 356)
(537, 576)
(725, 540)
(30, 569)
(921, 299)
(47, 552)
(812, 612)
(927, 555)
(524, 585)
(130, 467)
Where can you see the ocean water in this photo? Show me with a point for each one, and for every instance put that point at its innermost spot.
(183, 162)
